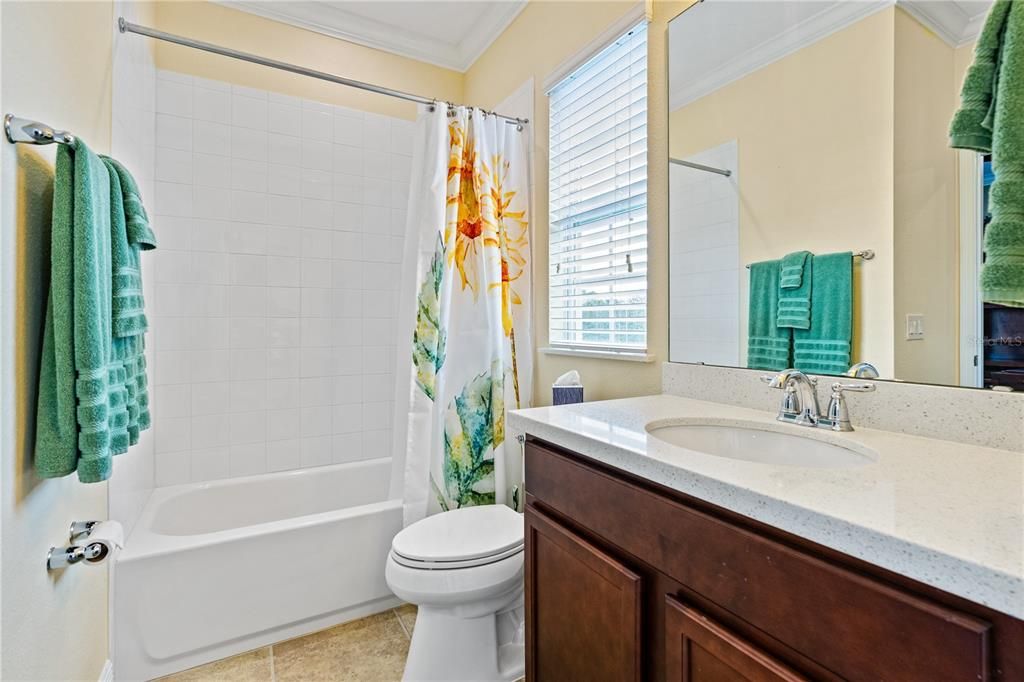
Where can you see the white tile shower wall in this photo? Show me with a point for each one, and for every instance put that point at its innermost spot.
(282, 224)
(133, 125)
(704, 247)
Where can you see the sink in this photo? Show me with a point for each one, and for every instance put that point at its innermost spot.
(760, 443)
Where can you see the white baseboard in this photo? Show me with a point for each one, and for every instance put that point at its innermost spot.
(107, 674)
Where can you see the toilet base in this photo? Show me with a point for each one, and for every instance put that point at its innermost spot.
(446, 646)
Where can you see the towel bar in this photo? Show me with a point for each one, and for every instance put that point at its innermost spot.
(33, 132)
(866, 254)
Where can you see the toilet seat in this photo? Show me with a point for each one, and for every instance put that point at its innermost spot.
(461, 538)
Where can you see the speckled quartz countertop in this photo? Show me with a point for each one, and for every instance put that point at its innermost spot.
(946, 514)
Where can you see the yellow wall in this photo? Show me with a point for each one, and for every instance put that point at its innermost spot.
(545, 35)
(54, 625)
(227, 27)
(926, 209)
(815, 163)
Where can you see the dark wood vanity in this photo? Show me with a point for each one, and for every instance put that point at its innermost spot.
(629, 580)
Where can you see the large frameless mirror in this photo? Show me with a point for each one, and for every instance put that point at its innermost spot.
(818, 216)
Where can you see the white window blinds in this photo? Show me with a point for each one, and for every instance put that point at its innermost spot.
(598, 201)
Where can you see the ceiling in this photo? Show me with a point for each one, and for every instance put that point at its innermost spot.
(770, 30)
(448, 33)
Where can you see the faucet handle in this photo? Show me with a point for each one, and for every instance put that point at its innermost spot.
(838, 414)
(839, 387)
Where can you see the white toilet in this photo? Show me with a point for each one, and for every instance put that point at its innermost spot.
(464, 570)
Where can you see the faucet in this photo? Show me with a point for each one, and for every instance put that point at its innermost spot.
(800, 400)
(800, 403)
(863, 370)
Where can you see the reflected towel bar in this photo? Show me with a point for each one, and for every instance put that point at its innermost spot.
(866, 254)
(33, 132)
(701, 167)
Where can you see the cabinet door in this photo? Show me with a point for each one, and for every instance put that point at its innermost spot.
(699, 650)
(582, 608)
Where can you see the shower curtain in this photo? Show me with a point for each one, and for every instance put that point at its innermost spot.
(465, 307)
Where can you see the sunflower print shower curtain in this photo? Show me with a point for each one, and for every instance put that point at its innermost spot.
(468, 304)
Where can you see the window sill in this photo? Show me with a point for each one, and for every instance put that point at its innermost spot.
(628, 356)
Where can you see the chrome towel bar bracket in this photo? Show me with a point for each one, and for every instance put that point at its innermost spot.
(23, 130)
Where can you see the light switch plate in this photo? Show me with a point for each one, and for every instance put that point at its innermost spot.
(915, 327)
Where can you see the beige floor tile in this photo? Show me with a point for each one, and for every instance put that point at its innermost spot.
(407, 614)
(369, 650)
(250, 667)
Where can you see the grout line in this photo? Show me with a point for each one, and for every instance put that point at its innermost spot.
(273, 671)
(401, 624)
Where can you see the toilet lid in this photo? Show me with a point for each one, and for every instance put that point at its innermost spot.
(460, 535)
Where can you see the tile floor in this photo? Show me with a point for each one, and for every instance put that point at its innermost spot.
(371, 649)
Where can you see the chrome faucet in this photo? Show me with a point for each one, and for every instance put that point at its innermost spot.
(863, 370)
(800, 400)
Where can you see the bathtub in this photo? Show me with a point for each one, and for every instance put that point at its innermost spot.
(214, 569)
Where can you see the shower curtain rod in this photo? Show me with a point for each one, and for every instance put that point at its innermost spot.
(128, 27)
(701, 167)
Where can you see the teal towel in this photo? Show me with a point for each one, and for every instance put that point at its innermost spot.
(72, 421)
(767, 344)
(129, 391)
(825, 347)
(991, 119)
(131, 236)
(795, 290)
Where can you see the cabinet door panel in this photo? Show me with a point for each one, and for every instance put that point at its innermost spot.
(699, 650)
(582, 608)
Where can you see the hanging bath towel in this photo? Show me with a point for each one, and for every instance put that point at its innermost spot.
(991, 119)
(824, 348)
(73, 410)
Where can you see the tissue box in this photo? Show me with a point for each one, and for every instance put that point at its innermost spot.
(566, 395)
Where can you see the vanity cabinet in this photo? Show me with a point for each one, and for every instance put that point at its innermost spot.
(626, 580)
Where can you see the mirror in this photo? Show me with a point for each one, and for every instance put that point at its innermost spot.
(821, 127)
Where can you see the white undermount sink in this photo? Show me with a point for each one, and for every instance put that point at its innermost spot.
(755, 443)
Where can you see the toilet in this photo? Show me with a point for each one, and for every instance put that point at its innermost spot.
(464, 570)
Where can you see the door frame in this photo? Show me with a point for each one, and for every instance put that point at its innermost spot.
(972, 319)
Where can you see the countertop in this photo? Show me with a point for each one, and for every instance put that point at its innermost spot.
(946, 514)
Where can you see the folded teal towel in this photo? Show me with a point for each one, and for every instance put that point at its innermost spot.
(72, 420)
(767, 344)
(795, 290)
(824, 348)
(128, 380)
(791, 269)
(131, 236)
(991, 118)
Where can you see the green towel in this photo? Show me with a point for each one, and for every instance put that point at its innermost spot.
(133, 234)
(767, 344)
(972, 125)
(72, 421)
(130, 400)
(795, 290)
(825, 347)
(991, 119)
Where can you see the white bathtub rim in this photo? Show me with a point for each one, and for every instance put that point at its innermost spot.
(144, 542)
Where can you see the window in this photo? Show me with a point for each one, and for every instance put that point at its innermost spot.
(597, 285)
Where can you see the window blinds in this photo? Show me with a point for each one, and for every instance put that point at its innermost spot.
(598, 201)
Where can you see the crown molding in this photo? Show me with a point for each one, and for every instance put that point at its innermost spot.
(947, 20)
(336, 22)
(796, 37)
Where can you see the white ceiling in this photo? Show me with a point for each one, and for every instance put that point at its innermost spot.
(750, 34)
(448, 33)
